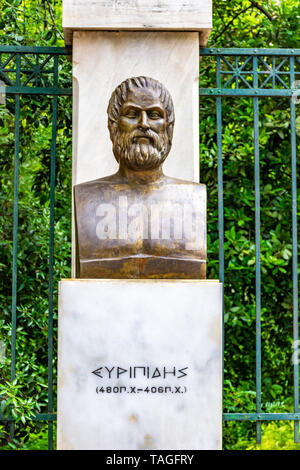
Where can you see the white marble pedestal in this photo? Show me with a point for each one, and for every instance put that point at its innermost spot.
(140, 364)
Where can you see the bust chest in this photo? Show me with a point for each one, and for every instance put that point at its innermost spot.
(124, 229)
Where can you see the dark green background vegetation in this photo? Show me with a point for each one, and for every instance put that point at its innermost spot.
(236, 24)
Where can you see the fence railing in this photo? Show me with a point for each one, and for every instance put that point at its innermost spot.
(33, 71)
(252, 73)
(257, 73)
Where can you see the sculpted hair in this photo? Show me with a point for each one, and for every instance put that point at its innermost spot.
(119, 96)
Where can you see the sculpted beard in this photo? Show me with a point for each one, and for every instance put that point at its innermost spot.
(141, 156)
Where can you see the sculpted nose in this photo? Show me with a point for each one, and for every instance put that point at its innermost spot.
(143, 124)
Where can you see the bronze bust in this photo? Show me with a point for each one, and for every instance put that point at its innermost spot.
(139, 223)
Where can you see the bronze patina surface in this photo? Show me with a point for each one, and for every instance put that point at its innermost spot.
(139, 223)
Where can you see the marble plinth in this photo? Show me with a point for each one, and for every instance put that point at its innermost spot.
(140, 364)
(184, 15)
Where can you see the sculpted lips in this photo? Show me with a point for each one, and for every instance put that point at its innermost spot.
(142, 139)
(148, 137)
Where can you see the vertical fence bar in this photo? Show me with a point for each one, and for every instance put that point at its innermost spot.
(15, 238)
(220, 199)
(295, 255)
(257, 253)
(15, 247)
(220, 175)
(15, 235)
(51, 258)
(51, 263)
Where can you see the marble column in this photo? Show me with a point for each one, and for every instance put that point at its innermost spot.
(101, 61)
(140, 361)
(115, 40)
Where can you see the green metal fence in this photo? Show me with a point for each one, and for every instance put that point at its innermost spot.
(33, 71)
(251, 73)
(256, 73)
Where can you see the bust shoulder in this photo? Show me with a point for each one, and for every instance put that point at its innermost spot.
(116, 179)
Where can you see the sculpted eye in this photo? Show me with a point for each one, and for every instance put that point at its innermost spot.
(154, 115)
(131, 114)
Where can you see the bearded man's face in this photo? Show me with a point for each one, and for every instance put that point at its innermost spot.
(141, 141)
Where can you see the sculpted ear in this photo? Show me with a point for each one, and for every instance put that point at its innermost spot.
(113, 132)
(170, 130)
(113, 129)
